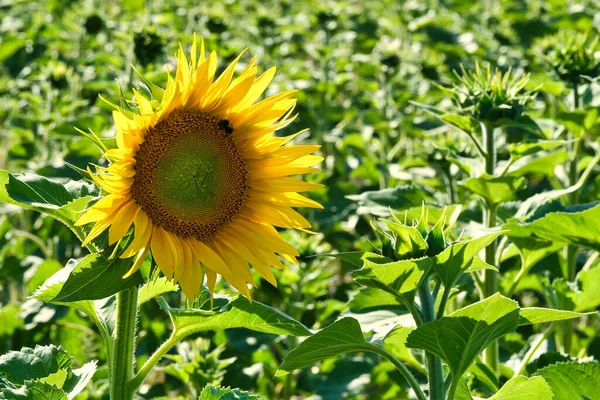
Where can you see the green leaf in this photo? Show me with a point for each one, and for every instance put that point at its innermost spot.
(462, 390)
(211, 392)
(28, 364)
(79, 379)
(238, 313)
(522, 388)
(155, 288)
(459, 337)
(356, 258)
(587, 298)
(343, 336)
(400, 278)
(575, 120)
(572, 380)
(379, 202)
(451, 263)
(478, 265)
(525, 148)
(576, 225)
(538, 315)
(496, 190)
(91, 278)
(62, 201)
(409, 242)
(57, 378)
(395, 344)
(461, 122)
(34, 390)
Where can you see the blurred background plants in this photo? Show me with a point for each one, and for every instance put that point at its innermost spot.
(374, 80)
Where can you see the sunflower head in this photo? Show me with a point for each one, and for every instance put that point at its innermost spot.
(573, 55)
(491, 97)
(201, 178)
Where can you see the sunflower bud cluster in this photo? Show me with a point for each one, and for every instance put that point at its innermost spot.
(491, 97)
(401, 240)
(573, 55)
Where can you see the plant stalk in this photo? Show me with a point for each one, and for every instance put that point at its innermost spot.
(121, 370)
(403, 370)
(434, 364)
(490, 281)
(139, 378)
(572, 198)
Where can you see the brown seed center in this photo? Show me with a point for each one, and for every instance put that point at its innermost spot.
(190, 177)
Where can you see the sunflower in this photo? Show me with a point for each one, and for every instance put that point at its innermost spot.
(201, 178)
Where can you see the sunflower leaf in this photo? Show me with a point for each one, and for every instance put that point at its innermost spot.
(211, 392)
(459, 337)
(237, 313)
(451, 263)
(573, 380)
(343, 336)
(61, 201)
(522, 388)
(93, 277)
(538, 315)
(400, 278)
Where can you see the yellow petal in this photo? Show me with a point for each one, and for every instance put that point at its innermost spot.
(163, 251)
(122, 221)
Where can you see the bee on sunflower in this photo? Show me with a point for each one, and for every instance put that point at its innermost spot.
(202, 178)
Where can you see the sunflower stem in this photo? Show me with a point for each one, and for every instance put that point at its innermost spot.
(490, 281)
(434, 364)
(121, 365)
(572, 198)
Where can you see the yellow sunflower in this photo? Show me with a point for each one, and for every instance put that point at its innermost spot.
(203, 179)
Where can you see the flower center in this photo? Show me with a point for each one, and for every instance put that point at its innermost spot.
(190, 177)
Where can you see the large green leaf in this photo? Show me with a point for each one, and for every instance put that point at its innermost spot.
(62, 201)
(91, 278)
(451, 263)
(577, 225)
(538, 315)
(495, 189)
(343, 336)
(572, 380)
(34, 390)
(459, 337)
(237, 313)
(30, 364)
(400, 278)
(523, 388)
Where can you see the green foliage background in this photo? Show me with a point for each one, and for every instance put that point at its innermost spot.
(361, 67)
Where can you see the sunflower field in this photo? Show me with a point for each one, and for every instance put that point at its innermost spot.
(334, 199)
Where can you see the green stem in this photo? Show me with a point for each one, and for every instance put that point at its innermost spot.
(515, 282)
(443, 301)
(137, 381)
(121, 364)
(417, 315)
(403, 370)
(534, 348)
(434, 364)
(573, 198)
(453, 387)
(490, 281)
